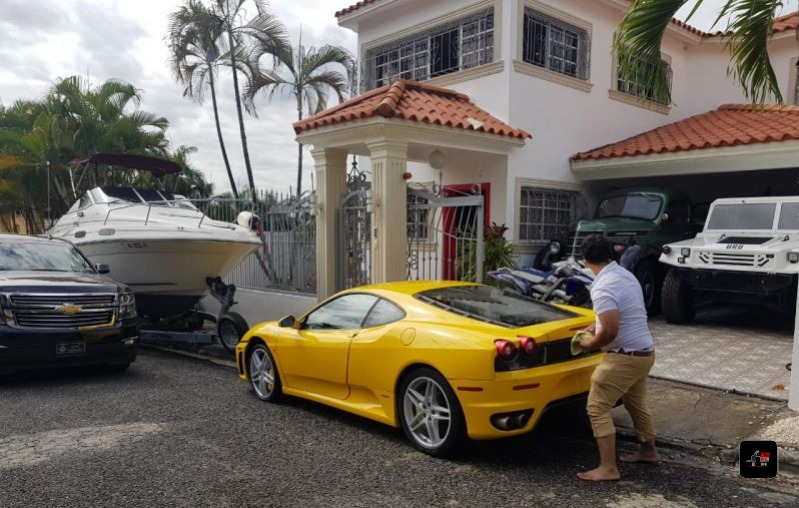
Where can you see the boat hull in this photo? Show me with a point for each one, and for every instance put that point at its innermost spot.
(169, 276)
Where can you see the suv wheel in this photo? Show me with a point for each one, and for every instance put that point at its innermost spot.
(677, 299)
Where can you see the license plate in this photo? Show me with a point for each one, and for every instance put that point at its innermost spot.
(70, 349)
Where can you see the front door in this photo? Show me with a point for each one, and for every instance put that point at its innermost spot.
(459, 227)
(314, 357)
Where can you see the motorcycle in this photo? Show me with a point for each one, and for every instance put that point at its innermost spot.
(567, 282)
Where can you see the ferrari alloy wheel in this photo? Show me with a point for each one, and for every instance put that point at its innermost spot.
(431, 415)
(264, 377)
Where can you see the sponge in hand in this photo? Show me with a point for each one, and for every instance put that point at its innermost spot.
(575, 345)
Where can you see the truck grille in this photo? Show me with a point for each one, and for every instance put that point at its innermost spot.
(60, 311)
(52, 319)
(731, 259)
(56, 300)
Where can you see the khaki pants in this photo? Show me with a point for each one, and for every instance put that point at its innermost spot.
(621, 377)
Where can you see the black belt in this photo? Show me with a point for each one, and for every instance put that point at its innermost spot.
(633, 353)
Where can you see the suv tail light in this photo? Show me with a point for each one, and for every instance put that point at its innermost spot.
(505, 349)
(528, 346)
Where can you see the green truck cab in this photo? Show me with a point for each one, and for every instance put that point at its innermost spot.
(639, 222)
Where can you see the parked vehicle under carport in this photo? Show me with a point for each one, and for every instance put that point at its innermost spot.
(639, 222)
(747, 253)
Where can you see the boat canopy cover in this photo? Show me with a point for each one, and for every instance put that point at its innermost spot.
(158, 167)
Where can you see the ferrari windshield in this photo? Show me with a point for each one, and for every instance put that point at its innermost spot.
(52, 256)
(745, 216)
(492, 305)
(639, 205)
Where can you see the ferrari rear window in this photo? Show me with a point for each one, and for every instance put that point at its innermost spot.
(493, 305)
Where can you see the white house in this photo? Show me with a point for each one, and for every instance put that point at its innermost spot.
(545, 67)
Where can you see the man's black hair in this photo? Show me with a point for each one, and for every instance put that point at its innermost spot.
(597, 249)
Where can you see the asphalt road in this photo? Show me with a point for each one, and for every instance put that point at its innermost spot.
(178, 432)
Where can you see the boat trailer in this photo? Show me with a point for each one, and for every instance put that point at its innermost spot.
(192, 329)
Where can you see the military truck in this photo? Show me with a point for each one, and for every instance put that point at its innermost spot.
(747, 253)
(639, 222)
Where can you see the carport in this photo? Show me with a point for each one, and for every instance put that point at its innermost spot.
(733, 151)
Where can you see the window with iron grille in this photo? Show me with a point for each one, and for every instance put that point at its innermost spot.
(462, 44)
(547, 214)
(632, 87)
(418, 218)
(555, 45)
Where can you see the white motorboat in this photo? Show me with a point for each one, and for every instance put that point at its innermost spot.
(159, 244)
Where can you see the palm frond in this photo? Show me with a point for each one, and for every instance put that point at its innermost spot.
(751, 27)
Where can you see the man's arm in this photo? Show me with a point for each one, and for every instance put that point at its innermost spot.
(609, 321)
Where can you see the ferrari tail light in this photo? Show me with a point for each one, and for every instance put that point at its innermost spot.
(505, 349)
(528, 346)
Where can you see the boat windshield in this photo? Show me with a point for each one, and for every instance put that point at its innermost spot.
(140, 196)
(53, 256)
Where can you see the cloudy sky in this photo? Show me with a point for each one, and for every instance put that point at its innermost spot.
(47, 39)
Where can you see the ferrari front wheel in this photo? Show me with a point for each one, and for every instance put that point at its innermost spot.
(263, 373)
(430, 413)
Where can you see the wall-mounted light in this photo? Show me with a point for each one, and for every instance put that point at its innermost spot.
(437, 159)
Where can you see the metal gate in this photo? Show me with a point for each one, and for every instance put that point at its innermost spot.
(354, 235)
(445, 234)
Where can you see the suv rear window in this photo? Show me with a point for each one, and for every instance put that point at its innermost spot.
(492, 305)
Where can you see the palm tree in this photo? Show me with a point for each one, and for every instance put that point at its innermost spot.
(263, 28)
(638, 40)
(196, 49)
(309, 79)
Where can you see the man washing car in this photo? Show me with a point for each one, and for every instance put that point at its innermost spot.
(621, 329)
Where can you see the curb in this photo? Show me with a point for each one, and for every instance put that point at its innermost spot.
(716, 388)
(188, 354)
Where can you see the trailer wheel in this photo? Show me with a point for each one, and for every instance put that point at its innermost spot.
(677, 299)
(231, 328)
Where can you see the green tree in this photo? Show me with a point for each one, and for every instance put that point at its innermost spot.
(40, 139)
(197, 48)
(242, 32)
(639, 37)
(311, 73)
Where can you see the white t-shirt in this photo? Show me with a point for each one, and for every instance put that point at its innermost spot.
(615, 288)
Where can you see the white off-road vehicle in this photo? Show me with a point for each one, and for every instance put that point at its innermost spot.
(747, 253)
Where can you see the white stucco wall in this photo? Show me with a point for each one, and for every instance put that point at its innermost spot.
(564, 120)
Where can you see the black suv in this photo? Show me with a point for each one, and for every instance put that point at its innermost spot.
(58, 310)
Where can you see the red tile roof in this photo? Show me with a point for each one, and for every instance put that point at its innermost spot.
(354, 7)
(417, 102)
(787, 22)
(730, 125)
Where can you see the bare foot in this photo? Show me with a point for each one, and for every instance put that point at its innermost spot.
(642, 457)
(600, 474)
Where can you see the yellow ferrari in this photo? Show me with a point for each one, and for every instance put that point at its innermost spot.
(443, 360)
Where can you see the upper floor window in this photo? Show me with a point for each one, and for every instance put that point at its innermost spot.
(462, 44)
(555, 45)
(634, 87)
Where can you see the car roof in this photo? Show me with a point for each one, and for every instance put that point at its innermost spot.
(15, 238)
(761, 199)
(411, 287)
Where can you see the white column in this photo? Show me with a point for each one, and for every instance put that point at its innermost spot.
(793, 394)
(389, 211)
(330, 168)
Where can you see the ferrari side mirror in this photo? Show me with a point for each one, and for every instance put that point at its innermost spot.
(287, 322)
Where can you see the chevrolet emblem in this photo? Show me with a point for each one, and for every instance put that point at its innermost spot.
(69, 309)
